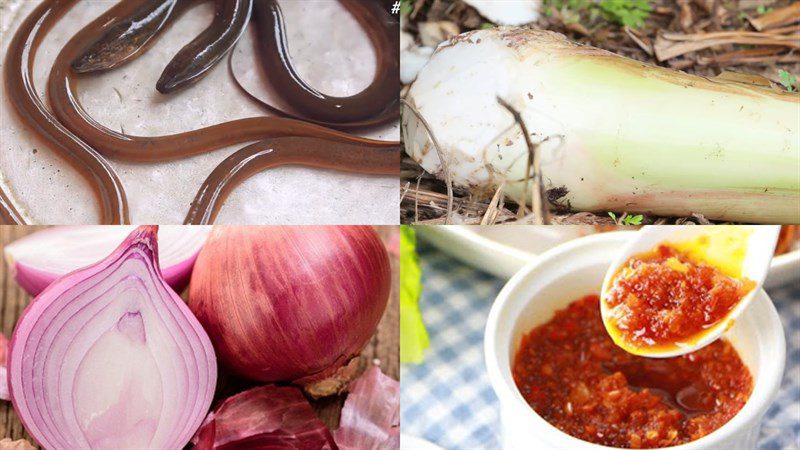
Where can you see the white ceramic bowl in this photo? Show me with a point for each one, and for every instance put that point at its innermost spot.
(575, 269)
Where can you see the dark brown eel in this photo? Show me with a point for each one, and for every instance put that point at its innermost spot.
(390, 113)
(18, 74)
(130, 36)
(127, 37)
(382, 30)
(63, 95)
(68, 112)
(208, 48)
(303, 151)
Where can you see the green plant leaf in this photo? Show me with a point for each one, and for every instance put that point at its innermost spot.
(788, 80)
(633, 220)
(413, 337)
(406, 7)
(630, 13)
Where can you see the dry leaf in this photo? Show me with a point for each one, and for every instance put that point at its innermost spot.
(671, 45)
(778, 17)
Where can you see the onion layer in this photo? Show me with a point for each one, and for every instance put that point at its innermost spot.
(38, 259)
(290, 303)
(110, 357)
(371, 414)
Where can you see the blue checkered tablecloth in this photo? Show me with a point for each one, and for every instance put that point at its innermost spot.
(448, 399)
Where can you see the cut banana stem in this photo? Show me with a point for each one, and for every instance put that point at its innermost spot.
(615, 134)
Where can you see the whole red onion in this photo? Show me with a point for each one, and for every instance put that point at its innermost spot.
(290, 303)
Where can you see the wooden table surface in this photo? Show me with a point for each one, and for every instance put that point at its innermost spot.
(384, 346)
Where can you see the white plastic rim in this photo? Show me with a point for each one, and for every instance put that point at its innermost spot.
(575, 269)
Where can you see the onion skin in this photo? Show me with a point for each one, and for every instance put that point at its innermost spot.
(264, 417)
(109, 356)
(290, 303)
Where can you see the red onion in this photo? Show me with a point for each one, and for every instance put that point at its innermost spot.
(290, 303)
(265, 417)
(110, 357)
(38, 259)
(371, 414)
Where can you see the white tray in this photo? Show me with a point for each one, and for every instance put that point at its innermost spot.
(502, 250)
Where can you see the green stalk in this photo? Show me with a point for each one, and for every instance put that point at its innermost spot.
(413, 337)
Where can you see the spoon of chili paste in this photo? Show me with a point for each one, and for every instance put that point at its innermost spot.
(673, 289)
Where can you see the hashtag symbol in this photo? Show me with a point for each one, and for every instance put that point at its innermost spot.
(396, 8)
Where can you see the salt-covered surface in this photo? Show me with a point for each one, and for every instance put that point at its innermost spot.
(328, 48)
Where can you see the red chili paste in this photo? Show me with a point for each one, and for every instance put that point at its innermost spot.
(575, 377)
(663, 298)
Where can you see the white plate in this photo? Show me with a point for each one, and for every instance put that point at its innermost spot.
(414, 443)
(502, 250)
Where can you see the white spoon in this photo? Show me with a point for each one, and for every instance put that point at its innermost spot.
(754, 265)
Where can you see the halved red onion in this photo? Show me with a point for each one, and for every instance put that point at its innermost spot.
(266, 417)
(291, 303)
(38, 259)
(109, 356)
(371, 414)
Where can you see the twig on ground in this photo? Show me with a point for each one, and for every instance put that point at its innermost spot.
(442, 159)
(416, 201)
(539, 203)
(490, 216)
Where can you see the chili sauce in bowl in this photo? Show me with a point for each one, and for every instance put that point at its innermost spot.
(574, 376)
